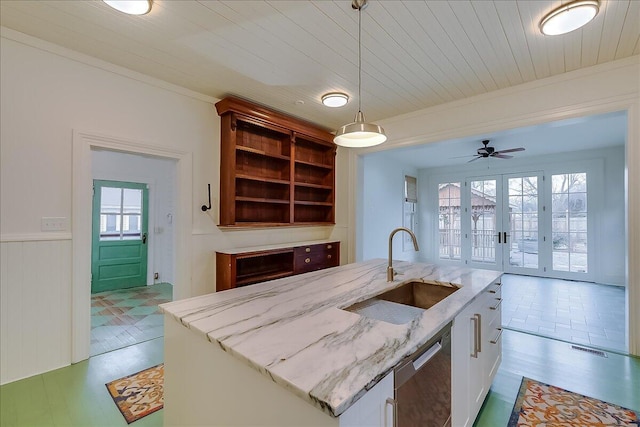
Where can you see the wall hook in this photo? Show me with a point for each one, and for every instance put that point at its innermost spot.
(205, 207)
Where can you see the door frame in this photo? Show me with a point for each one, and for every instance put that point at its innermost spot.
(82, 182)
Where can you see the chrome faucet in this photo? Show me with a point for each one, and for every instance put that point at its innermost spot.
(390, 272)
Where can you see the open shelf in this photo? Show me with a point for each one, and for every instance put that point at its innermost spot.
(318, 186)
(258, 200)
(272, 165)
(315, 165)
(310, 203)
(262, 153)
(262, 179)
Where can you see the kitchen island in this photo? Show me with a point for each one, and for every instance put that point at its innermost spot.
(285, 352)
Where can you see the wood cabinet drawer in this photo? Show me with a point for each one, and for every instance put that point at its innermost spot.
(315, 257)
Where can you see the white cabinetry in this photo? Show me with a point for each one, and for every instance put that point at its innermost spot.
(372, 409)
(476, 352)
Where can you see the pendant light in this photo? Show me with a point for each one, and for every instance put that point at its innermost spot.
(569, 17)
(359, 133)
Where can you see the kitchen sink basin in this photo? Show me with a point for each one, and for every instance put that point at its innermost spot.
(419, 294)
(404, 303)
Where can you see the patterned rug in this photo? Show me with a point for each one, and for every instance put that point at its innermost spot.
(540, 404)
(139, 394)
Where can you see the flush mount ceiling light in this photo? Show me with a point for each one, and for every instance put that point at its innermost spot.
(131, 7)
(335, 99)
(359, 133)
(569, 17)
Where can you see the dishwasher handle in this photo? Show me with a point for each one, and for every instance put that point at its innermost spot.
(427, 355)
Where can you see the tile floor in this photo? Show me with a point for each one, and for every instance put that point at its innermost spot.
(128, 316)
(579, 312)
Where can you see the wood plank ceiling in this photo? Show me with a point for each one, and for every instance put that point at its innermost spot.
(415, 54)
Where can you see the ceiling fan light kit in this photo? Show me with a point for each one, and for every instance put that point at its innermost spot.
(359, 133)
(569, 17)
(131, 7)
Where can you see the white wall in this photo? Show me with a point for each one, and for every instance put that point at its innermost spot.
(382, 194)
(47, 93)
(160, 176)
(606, 201)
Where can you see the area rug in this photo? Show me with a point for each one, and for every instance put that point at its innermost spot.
(540, 404)
(140, 394)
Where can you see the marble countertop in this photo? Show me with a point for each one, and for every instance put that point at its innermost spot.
(293, 330)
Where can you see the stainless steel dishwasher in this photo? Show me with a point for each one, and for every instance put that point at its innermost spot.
(423, 385)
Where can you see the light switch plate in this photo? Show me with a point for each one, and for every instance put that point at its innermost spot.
(53, 224)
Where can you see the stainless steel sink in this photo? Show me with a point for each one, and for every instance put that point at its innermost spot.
(404, 303)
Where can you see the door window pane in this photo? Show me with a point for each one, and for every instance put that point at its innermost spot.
(569, 222)
(483, 221)
(522, 240)
(449, 220)
(132, 201)
(120, 213)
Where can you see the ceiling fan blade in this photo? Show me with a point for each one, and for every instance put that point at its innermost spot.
(473, 160)
(510, 150)
(501, 156)
(460, 157)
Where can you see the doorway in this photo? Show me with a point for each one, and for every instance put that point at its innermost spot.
(132, 243)
(504, 214)
(85, 169)
(520, 223)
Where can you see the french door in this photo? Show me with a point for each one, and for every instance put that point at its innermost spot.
(503, 222)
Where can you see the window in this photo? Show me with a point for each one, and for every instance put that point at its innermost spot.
(569, 222)
(409, 209)
(120, 213)
(449, 240)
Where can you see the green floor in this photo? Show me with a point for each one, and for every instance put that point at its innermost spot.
(77, 396)
(615, 378)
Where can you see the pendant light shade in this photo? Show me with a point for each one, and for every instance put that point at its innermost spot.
(569, 17)
(359, 134)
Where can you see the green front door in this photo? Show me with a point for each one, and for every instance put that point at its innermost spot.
(119, 248)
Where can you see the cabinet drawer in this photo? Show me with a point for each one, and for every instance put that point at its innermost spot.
(302, 251)
(316, 257)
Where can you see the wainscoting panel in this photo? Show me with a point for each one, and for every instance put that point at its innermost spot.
(35, 307)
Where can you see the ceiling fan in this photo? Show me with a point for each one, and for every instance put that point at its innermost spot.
(487, 151)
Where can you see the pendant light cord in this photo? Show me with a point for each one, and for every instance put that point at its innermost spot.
(360, 58)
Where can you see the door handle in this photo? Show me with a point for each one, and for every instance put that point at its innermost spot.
(505, 237)
(144, 238)
(499, 237)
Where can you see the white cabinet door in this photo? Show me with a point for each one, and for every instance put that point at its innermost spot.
(462, 347)
(372, 409)
(476, 351)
